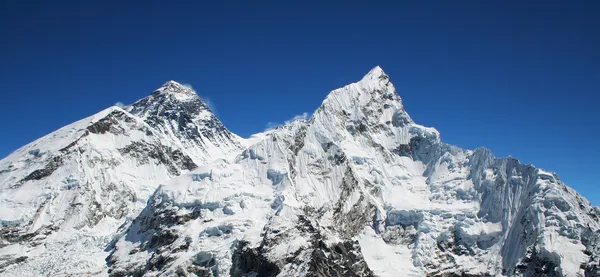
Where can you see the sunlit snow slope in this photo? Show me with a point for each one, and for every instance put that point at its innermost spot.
(359, 189)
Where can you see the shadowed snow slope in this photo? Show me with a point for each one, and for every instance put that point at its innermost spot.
(359, 189)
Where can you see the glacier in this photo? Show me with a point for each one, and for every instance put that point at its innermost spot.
(162, 188)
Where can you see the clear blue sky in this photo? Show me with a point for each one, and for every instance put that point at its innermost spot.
(519, 78)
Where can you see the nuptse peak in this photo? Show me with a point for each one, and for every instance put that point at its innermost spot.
(162, 188)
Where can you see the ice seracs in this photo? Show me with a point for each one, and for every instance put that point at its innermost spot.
(358, 189)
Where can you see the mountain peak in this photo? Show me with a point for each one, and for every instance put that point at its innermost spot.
(175, 87)
(181, 92)
(375, 85)
(177, 111)
(375, 74)
(171, 84)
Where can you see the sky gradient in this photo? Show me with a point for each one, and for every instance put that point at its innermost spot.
(521, 79)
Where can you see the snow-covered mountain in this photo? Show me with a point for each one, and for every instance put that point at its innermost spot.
(359, 189)
(63, 196)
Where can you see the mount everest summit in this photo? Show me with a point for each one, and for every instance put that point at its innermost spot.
(162, 188)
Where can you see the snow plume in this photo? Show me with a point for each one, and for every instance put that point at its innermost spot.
(210, 104)
(120, 104)
(302, 116)
(272, 125)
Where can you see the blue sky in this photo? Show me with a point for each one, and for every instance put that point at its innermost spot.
(519, 78)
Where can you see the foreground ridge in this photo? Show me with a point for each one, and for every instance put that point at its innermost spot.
(358, 189)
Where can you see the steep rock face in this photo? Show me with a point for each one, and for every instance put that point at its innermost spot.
(64, 196)
(177, 112)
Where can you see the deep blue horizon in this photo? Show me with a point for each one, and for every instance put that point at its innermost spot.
(519, 78)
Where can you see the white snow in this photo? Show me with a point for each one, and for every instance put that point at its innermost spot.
(387, 260)
(358, 169)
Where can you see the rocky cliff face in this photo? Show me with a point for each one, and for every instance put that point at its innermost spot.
(177, 112)
(359, 189)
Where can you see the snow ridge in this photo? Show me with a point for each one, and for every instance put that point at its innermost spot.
(358, 189)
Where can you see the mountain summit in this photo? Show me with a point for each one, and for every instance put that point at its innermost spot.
(162, 188)
(176, 111)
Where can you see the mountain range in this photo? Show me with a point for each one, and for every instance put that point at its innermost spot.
(162, 188)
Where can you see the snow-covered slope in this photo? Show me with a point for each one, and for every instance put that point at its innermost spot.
(359, 189)
(64, 196)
